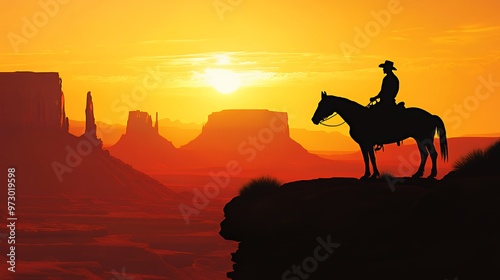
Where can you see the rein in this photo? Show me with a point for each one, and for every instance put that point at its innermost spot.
(330, 125)
(332, 116)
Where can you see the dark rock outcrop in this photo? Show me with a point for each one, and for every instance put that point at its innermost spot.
(32, 101)
(426, 229)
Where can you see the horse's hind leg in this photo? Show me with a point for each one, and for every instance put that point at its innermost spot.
(374, 163)
(432, 151)
(423, 159)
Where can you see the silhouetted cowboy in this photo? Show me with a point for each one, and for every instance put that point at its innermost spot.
(387, 95)
(390, 86)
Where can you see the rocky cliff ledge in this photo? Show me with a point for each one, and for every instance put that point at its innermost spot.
(348, 229)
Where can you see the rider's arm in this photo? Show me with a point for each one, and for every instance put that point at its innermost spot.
(382, 89)
(378, 95)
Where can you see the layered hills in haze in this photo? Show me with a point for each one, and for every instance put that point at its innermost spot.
(255, 141)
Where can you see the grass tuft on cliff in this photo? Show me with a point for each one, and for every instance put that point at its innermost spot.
(479, 162)
(260, 186)
(387, 175)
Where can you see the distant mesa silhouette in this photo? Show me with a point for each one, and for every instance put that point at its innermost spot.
(234, 134)
(141, 123)
(143, 147)
(32, 101)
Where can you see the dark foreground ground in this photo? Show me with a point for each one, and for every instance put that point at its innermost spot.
(344, 228)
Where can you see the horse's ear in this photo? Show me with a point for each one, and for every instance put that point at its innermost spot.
(323, 94)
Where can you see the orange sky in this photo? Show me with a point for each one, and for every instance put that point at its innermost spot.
(155, 56)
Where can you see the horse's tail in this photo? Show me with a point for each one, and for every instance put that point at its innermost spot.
(442, 138)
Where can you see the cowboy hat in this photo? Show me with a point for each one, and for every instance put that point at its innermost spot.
(388, 64)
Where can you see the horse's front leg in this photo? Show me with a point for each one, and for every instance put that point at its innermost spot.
(374, 163)
(364, 151)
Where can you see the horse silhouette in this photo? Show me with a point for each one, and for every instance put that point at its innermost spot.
(404, 123)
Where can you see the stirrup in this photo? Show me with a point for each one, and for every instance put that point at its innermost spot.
(379, 147)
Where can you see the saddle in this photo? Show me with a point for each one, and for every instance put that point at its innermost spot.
(389, 115)
(386, 113)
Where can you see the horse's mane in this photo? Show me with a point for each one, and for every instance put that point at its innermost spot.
(348, 101)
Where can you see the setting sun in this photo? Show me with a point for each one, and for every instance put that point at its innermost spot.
(224, 81)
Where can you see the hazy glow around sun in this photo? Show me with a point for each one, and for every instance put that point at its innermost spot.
(223, 80)
(223, 59)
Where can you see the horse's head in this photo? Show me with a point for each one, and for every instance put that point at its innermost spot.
(324, 110)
